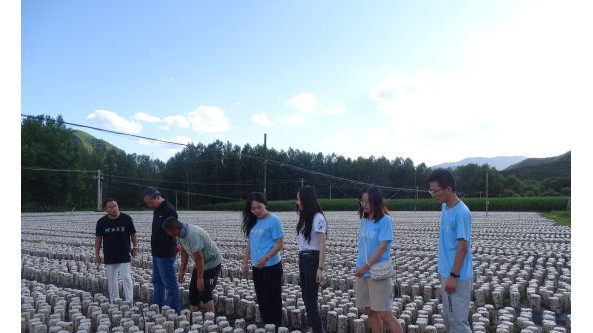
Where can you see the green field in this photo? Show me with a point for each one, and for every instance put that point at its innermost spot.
(514, 204)
(561, 217)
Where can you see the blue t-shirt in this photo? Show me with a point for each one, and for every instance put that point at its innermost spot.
(373, 233)
(456, 223)
(262, 239)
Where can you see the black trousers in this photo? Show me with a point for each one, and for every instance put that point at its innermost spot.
(268, 290)
(308, 262)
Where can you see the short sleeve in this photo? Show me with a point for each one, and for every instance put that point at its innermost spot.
(386, 228)
(277, 231)
(196, 244)
(98, 230)
(319, 224)
(131, 229)
(463, 225)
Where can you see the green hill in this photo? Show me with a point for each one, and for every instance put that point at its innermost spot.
(541, 168)
(90, 143)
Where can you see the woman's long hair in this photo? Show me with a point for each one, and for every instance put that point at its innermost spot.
(249, 219)
(310, 206)
(378, 208)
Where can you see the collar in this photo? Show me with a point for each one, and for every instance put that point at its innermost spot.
(183, 230)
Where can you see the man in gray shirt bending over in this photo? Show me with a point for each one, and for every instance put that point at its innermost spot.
(198, 244)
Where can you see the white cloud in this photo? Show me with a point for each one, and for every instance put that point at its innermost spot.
(262, 119)
(113, 121)
(305, 102)
(518, 93)
(178, 120)
(208, 119)
(142, 116)
(294, 120)
(335, 110)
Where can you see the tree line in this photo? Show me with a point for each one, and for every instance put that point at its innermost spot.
(59, 172)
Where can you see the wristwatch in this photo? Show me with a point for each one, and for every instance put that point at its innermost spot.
(454, 275)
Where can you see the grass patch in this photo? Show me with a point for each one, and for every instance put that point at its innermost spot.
(562, 217)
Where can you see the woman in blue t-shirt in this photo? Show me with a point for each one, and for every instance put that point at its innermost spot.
(374, 245)
(264, 234)
(311, 231)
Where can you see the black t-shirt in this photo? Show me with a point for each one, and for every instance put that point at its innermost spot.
(162, 245)
(116, 237)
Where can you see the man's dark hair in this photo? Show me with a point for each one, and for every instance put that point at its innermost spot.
(171, 223)
(443, 177)
(151, 192)
(108, 200)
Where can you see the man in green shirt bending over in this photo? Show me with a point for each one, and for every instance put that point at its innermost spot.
(198, 244)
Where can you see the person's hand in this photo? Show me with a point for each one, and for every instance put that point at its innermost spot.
(244, 269)
(319, 276)
(134, 252)
(98, 260)
(451, 285)
(200, 284)
(262, 262)
(180, 277)
(360, 272)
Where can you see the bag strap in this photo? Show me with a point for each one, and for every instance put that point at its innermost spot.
(364, 239)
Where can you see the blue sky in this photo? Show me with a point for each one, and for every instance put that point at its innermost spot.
(434, 81)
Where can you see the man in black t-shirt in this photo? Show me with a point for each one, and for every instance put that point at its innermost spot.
(163, 250)
(114, 231)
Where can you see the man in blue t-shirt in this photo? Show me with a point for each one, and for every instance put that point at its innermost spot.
(454, 251)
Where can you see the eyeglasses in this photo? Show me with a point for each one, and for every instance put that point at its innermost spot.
(364, 202)
(433, 192)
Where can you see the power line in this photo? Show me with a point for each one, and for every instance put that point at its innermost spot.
(57, 170)
(281, 164)
(113, 132)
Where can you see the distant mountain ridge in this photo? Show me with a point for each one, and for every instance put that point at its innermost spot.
(498, 162)
(541, 168)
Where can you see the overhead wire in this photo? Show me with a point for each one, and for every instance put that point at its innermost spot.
(278, 163)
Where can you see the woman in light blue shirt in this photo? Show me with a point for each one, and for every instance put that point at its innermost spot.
(264, 234)
(374, 245)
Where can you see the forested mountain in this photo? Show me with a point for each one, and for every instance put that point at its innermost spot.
(60, 169)
(498, 162)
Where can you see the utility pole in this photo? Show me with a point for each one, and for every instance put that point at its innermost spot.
(265, 166)
(416, 186)
(330, 191)
(487, 193)
(99, 192)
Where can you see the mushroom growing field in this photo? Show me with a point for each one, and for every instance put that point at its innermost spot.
(522, 276)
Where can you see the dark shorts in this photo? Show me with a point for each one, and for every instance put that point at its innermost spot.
(210, 280)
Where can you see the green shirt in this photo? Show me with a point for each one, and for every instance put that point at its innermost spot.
(197, 239)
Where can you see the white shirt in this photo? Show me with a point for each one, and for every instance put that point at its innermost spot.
(319, 225)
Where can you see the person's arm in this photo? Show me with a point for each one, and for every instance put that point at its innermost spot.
(182, 265)
(134, 239)
(277, 247)
(98, 241)
(373, 258)
(322, 250)
(451, 284)
(199, 262)
(245, 264)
